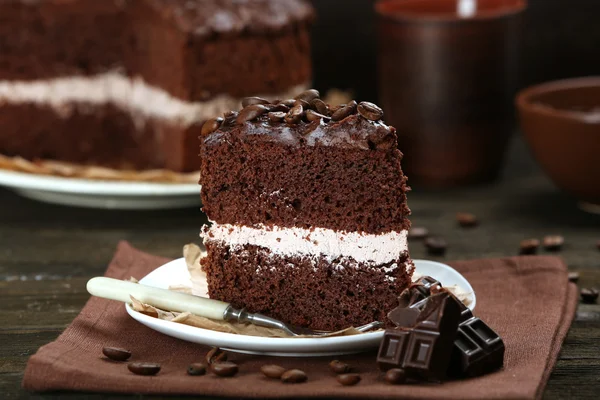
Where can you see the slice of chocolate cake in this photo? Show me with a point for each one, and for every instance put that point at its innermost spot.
(308, 210)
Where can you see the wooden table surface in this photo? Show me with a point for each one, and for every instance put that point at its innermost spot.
(48, 252)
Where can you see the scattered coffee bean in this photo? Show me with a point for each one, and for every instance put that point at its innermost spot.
(276, 116)
(196, 369)
(279, 107)
(344, 111)
(315, 116)
(305, 105)
(339, 367)
(229, 117)
(211, 125)
(573, 277)
(144, 368)
(418, 232)
(224, 368)
(589, 296)
(436, 245)
(395, 376)
(348, 379)
(294, 376)
(250, 113)
(308, 95)
(215, 355)
(320, 106)
(289, 102)
(529, 246)
(272, 371)
(294, 115)
(249, 101)
(466, 220)
(370, 111)
(553, 242)
(116, 354)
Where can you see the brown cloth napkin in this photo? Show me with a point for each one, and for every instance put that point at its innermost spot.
(527, 300)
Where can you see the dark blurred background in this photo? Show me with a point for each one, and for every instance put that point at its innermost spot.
(561, 38)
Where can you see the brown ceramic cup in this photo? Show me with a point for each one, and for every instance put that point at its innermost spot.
(561, 123)
(448, 72)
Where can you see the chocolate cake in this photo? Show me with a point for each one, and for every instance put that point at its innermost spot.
(308, 210)
(128, 83)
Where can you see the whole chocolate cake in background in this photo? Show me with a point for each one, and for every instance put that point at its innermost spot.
(128, 83)
(308, 210)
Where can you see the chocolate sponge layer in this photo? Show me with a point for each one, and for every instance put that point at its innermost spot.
(303, 290)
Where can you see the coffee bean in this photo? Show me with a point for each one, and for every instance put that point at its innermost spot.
(308, 95)
(215, 355)
(529, 246)
(196, 369)
(276, 116)
(553, 242)
(344, 112)
(224, 368)
(348, 379)
(315, 116)
(229, 117)
(294, 376)
(211, 125)
(272, 371)
(418, 232)
(436, 245)
(249, 101)
(143, 368)
(289, 102)
(370, 111)
(294, 115)
(305, 105)
(573, 277)
(279, 107)
(320, 106)
(250, 113)
(589, 296)
(395, 376)
(339, 367)
(116, 353)
(466, 220)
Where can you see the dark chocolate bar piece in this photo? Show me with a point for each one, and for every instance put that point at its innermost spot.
(424, 350)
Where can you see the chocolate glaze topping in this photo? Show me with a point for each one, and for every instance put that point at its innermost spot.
(304, 121)
(221, 17)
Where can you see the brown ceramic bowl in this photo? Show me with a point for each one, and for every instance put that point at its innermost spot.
(561, 122)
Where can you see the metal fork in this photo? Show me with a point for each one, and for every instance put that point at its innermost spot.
(165, 299)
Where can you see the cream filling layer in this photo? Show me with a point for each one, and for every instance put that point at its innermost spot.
(132, 94)
(362, 247)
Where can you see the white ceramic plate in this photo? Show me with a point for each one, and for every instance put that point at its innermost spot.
(176, 273)
(102, 194)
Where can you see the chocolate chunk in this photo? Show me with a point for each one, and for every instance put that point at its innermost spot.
(211, 125)
(339, 367)
(417, 233)
(348, 379)
(308, 95)
(276, 116)
(249, 101)
(272, 371)
(250, 113)
(370, 111)
(395, 376)
(116, 353)
(573, 277)
(467, 220)
(196, 369)
(315, 116)
(529, 246)
(553, 242)
(144, 368)
(223, 368)
(294, 115)
(589, 296)
(320, 106)
(424, 350)
(294, 376)
(344, 111)
(215, 355)
(436, 245)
